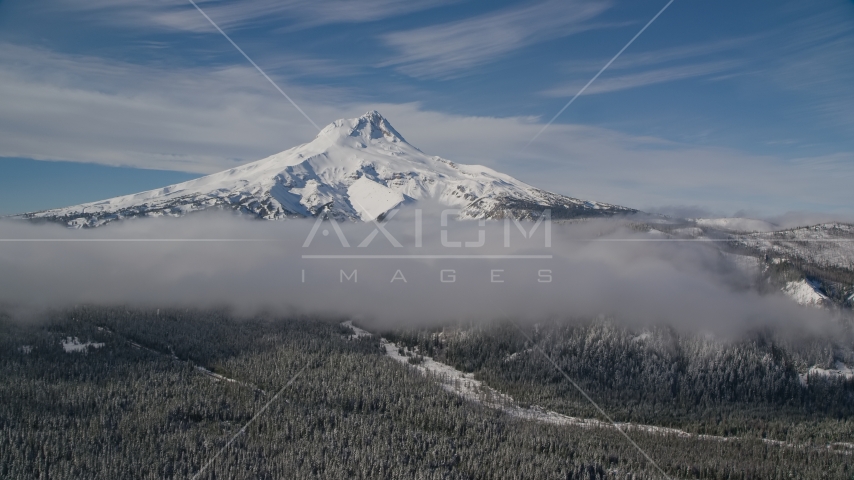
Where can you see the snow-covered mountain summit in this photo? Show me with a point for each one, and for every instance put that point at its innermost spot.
(354, 169)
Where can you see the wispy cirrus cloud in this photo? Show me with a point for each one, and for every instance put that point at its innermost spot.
(180, 14)
(680, 54)
(816, 61)
(450, 49)
(644, 78)
(639, 69)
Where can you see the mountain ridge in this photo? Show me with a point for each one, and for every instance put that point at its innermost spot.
(355, 169)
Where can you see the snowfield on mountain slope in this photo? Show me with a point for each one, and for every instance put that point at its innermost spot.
(805, 293)
(325, 177)
(372, 199)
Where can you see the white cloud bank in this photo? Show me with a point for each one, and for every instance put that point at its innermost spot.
(687, 285)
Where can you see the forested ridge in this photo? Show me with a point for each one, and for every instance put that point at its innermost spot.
(137, 407)
(821, 254)
(757, 386)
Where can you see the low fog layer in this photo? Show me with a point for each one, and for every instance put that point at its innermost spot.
(598, 267)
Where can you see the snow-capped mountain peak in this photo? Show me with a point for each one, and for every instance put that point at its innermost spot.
(355, 169)
(370, 126)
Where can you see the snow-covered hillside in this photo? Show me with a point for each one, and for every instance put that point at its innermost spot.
(354, 169)
(805, 292)
(825, 245)
(737, 224)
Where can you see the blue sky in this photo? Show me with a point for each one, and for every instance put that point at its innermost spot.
(729, 106)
